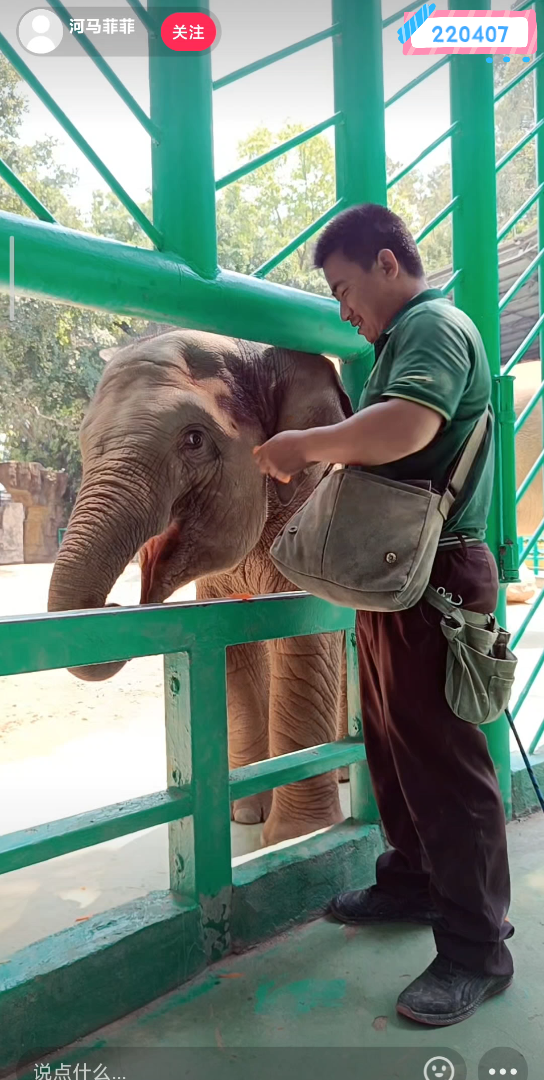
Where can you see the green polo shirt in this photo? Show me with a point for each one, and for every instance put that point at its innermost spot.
(433, 354)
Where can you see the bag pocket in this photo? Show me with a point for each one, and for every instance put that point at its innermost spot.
(478, 681)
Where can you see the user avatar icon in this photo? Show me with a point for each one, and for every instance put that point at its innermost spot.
(503, 1063)
(40, 31)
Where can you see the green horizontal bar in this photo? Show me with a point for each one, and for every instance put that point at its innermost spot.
(524, 693)
(281, 54)
(521, 6)
(143, 16)
(394, 18)
(525, 345)
(107, 71)
(521, 630)
(415, 82)
(438, 218)
(424, 153)
(520, 213)
(82, 144)
(106, 275)
(288, 769)
(529, 407)
(519, 146)
(522, 75)
(535, 537)
(536, 740)
(44, 842)
(25, 194)
(452, 281)
(302, 237)
(71, 639)
(530, 477)
(521, 281)
(283, 148)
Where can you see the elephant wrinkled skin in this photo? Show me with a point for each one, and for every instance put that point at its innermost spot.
(168, 471)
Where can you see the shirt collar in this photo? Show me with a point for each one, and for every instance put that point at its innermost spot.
(419, 298)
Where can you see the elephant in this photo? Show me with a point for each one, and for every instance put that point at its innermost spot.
(528, 447)
(169, 473)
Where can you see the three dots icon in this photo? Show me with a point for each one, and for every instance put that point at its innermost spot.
(503, 1072)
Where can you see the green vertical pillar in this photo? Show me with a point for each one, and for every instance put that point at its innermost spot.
(361, 172)
(180, 87)
(477, 290)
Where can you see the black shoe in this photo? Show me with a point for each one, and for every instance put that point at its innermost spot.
(365, 906)
(447, 993)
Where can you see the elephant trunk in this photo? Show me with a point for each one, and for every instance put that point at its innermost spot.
(107, 527)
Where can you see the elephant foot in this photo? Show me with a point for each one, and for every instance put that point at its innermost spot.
(343, 774)
(281, 827)
(252, 809)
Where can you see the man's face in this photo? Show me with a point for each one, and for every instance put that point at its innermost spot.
(367, 297)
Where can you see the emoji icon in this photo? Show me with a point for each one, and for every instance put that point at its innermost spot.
(503, 1063)
(439, 1068)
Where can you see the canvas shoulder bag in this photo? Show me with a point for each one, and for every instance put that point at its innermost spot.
(366, 542)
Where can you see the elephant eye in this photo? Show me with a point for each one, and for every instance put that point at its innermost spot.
(193, 440)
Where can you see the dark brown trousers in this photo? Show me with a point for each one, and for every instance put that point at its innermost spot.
(432, 774)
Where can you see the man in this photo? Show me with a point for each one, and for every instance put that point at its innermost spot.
(433, 778)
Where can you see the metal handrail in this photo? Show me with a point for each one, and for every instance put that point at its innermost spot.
(518, 146)
(278, 151)
(521, 629)
(530, 477)
(522, 697)
(302, 237)
(107, 71)
(424, 153)
(25, 194)
(143, 16)
(415, 82)
(273, 58)
(522, 75)
(82, 144)
(525, 345)
(452, 281)
(438, 218)
(521, 281)
(529, 408)
(534, 538)
(519, 213)
(393, 18)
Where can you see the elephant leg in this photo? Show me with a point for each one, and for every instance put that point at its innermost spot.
(304, 693)
(248, 678)
(342, 722)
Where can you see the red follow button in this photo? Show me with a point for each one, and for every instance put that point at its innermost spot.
(188, 31)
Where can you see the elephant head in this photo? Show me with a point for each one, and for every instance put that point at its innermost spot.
(167, 450)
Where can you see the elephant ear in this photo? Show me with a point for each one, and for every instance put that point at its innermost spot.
(309, 393)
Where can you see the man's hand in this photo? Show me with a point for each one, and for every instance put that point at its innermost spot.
(283, 456)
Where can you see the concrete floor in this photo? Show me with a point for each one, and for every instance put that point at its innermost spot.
(327, 985)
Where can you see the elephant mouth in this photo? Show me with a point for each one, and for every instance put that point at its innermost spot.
(154, 555)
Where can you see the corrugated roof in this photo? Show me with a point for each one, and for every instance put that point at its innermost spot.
(522, 312)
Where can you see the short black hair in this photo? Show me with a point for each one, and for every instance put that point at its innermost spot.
(361, 232)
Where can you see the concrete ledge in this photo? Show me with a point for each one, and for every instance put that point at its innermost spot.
(294, 885)
(68, 985)
(524, 800)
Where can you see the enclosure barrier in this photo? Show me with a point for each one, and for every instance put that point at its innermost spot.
(180, 282)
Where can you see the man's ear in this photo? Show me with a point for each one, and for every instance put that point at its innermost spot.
(308, 393)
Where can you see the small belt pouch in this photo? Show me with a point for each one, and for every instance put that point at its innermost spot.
(480, 668)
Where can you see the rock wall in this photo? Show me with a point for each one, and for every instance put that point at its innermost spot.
(12, 517)
(40, 491)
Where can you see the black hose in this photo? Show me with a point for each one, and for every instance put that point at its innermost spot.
(528, 765)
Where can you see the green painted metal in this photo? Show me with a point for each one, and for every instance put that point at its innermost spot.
(536, 739)
(111, 276)
(107, 71)
(531, 543)
(450, 284)
(273, 58)
(182, 162)
(24, 71)
(525, 71)
(525, 345)
(520, 213)
(25, 194)
(144, 16)
(302, 237)
(506, 483)
(530, 477)
(394, 18)
(421, 157)
(438, 219)
(477, 291)
(415, 82)
(529, 407)
(277, 151)
(516, 638)
(519, 146)
(521, 281)
(265, 775)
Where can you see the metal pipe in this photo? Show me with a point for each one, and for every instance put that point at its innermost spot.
(529, 407)
(393, 18)
(528, 618)
(447, 288)
(518, 146)
(273, 58)
(420, 157)
(520, 213)
(525, 345)
(534, 538)
(477, 290)
(530, 477)
(302, 237)
(277, 151)
(438, 218)
(180, 90)
(25, 194)
(64, 264)
(523, 278)
(522, 75)
(415, 82)
(506, 436)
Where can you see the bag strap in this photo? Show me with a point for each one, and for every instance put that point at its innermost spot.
(461, 471)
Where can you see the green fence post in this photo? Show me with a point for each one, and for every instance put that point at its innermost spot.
(197, 754)
(180, 88)
(477, 290)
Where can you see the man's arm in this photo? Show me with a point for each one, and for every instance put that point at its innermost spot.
(381, 433)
